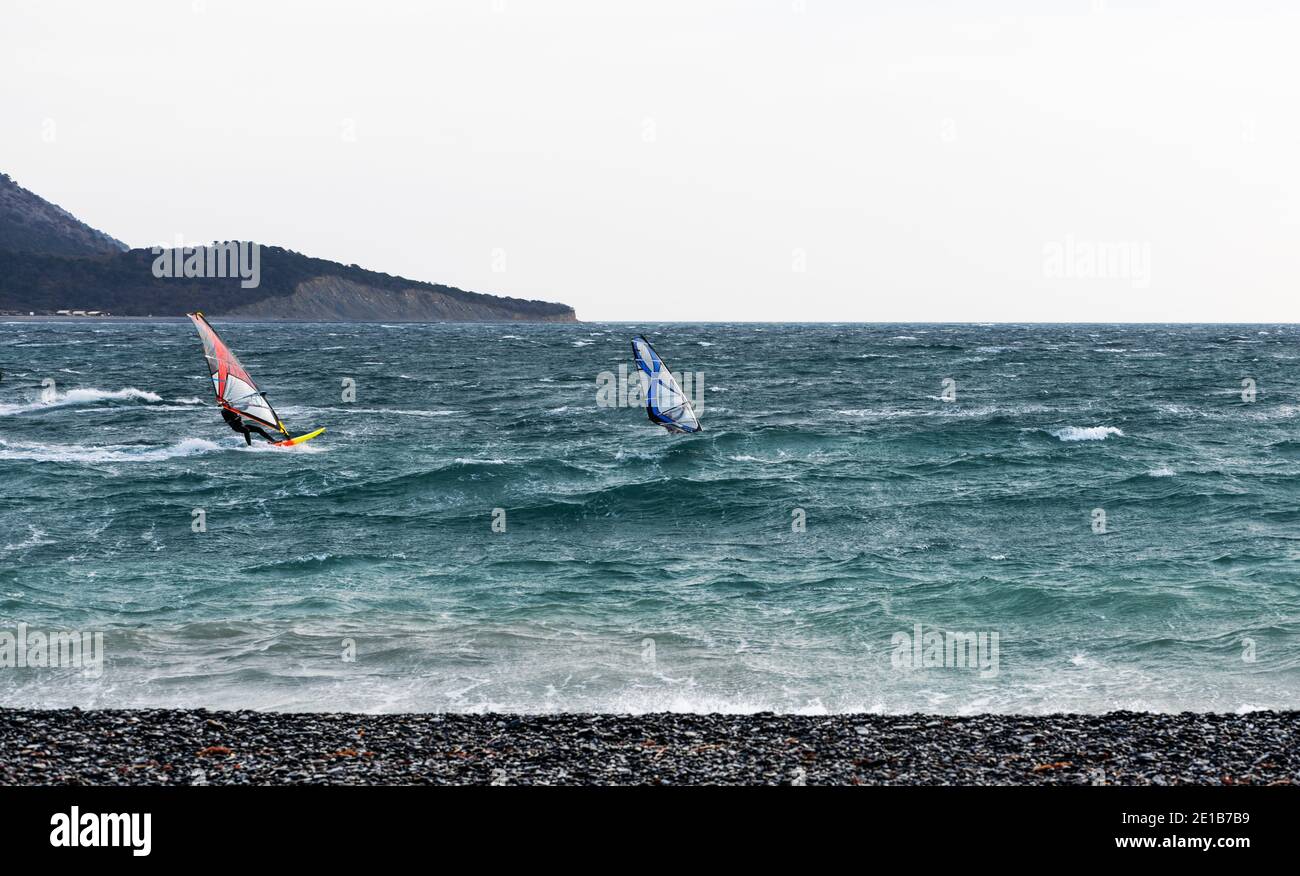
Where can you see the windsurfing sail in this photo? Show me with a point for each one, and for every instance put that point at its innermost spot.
(235, 390)
(666, 404)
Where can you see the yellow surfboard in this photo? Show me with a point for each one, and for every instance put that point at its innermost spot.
(290, 442)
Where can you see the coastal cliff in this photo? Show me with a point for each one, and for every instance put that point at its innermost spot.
(331, 298)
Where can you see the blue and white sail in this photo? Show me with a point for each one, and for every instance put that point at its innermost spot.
(666, 404)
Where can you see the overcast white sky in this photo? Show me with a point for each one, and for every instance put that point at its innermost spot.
(778, 160)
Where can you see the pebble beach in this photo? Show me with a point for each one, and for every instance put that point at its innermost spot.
(201, 747)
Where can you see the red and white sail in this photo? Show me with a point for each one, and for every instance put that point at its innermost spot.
(235, 390)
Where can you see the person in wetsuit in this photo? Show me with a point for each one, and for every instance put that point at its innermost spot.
(234, 421)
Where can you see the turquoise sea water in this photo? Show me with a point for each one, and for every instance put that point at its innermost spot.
(642, 571)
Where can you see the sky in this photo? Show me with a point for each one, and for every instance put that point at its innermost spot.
(657, 160)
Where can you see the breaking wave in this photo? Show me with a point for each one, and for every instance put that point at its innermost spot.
(79, 453)
(1087, 433)
(82, 397)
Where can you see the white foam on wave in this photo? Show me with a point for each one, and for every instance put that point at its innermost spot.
(259, 446)
(1086, 433)
(416, 413)
(403, 412)
(35, 538)
(1162, 472)
(80, 453)
(870, 412)
(82, 397)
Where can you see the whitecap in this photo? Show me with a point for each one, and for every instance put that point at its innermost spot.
(82, 397)
(108, 453)
(1086, 433)
(403, 412)
(35, 537)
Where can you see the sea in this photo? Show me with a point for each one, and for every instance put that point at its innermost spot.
(948, 519)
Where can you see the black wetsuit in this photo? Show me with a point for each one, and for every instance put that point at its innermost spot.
(234, 421)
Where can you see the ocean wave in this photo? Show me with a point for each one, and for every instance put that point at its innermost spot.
(318, 563)
(80, 453)
(621, 532)
(259, 446)
(35, 538)
(401, 412)
(82, 397)
(413, 413)
(684, 498)
(459, 475)
(1086, 433)
(868, 412)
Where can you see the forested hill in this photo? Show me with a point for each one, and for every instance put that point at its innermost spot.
(29, 223)
(50, 261)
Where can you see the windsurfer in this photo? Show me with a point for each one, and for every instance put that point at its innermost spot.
(234, 421)
(666, 404)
